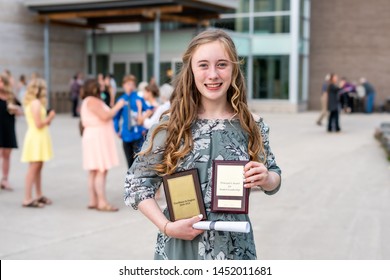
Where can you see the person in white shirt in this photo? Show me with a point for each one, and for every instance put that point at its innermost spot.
(165, 94)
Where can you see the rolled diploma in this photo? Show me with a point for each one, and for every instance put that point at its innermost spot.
(223, 226)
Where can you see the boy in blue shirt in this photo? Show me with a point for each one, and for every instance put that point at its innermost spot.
(130, 132)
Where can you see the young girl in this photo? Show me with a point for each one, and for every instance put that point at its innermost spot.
(209, 119)
(37, 146)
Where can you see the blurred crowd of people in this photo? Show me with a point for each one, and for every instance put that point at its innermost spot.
(341, 95)
(105, 115)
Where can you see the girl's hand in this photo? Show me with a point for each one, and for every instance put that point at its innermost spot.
(255, 174)
(182, 229)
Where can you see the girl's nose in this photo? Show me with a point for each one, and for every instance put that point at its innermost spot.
(213, 73)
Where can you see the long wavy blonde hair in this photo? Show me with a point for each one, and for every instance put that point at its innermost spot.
(185, 103)
(36, 89)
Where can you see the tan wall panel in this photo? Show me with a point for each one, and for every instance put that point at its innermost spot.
(22, 46)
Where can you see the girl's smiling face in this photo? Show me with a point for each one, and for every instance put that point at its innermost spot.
(212, 71)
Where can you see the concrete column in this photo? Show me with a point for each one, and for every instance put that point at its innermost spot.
(93, 54)
(156, 57)
(294, 52)
(46, 55)
(306, 42)
(250, 54)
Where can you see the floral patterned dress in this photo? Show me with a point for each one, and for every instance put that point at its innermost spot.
(213, 139)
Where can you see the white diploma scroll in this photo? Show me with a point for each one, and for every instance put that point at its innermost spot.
(223, 226)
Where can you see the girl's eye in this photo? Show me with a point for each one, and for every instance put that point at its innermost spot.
(222, 64)
(203, 65)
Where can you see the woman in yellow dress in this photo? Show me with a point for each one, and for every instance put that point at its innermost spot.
(37, 146)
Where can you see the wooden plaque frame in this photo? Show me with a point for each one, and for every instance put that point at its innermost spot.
(184, 195)
(228, 193)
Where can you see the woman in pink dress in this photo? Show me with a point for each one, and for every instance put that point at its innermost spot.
(98, 143)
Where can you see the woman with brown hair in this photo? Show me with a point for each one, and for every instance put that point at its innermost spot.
(98, 143)
(9, 108)
(209, 119)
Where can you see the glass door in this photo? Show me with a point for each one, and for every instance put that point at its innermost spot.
(124, 64)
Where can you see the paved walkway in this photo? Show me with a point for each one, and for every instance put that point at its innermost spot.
(334, 202)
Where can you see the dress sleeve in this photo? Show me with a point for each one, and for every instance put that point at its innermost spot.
(142, 181)
(270, 162)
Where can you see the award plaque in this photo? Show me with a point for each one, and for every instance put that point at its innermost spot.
(184, 195)
(228, 192)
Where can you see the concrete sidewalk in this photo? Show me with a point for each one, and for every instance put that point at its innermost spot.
(334, 202)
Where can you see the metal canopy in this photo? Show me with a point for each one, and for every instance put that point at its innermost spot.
(92, 14)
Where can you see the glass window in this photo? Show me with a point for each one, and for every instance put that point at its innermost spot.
(178, 66)
(264, 6)
(234, 24)
(101, 64)
(243, 7)
(277, 24)
(304, 21)
(90, 71)
(137, 69)
(150, 66)
(165, 72)
(119, 73)
(271, 77)
(244, 66)
(271, 24)
(271, 5)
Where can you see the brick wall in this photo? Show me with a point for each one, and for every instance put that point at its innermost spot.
(350, 38)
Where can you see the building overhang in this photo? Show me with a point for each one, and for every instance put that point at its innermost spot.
(95, 13)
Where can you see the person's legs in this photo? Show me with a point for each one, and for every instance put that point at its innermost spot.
(91, 189)
(74, 107)
(324, 109)
(6, 156)
(330, 120)
(137, 145)
(31, 178)
(134, 149)
(128, 149)
(336, 120)
(38, 186)
(351, 101)
(368, 103)
(343, 101)
(100, 188)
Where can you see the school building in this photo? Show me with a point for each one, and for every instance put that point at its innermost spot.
(287, 46)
